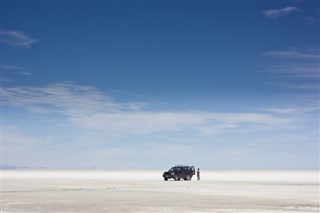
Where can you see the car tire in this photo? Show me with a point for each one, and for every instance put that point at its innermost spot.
(165, 179)
(188, 177)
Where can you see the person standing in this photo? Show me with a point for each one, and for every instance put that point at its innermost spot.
(198, 174)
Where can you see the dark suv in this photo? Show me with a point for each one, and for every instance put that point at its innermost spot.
(179, 172)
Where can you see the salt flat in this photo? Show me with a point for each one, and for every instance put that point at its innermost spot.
(145, 191)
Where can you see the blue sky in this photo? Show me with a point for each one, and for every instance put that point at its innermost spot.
(149, 84)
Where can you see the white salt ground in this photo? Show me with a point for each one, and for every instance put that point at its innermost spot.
(145, 191)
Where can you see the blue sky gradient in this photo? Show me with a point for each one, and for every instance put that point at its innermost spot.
(149, 84)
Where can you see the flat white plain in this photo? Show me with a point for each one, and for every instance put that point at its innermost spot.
(146, 191)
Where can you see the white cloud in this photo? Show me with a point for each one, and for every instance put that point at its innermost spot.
(88, 108)
(295, 68)
(66, 98)
(153, 122)
(294, 54)
(89, 129)
(311, 107)
(274, 13)
(17, 38)
(282, 110)
(25, 73)
(18, 69)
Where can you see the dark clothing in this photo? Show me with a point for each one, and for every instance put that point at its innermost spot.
(198, 174)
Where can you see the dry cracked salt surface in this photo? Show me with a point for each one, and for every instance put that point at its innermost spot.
(145, 191)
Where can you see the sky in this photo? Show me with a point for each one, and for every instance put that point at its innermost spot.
(150, 84)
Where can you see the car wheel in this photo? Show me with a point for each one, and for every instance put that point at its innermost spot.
(188, 177)
(165, 179)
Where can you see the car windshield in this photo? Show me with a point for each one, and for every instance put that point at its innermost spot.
(173, 169)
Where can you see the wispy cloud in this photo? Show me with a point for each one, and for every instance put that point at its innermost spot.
(293, 110)
(275, 13)
(88, 108)
(295, 68)
(286, 110)
(153, 122)
(65, 98)
(17, 38)
(294, 54)
(25, 73)
(18, 69)
(80, 120)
